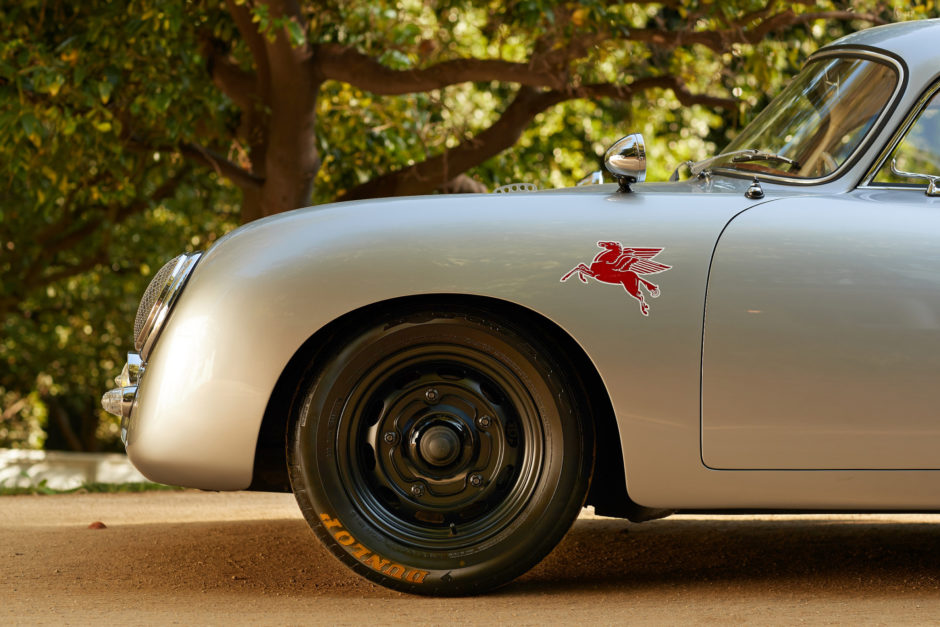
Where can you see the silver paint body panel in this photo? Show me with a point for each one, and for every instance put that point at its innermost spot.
(266, 288)
(692, 437)
(822, 337)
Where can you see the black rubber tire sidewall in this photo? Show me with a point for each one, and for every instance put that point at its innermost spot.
(549, 512)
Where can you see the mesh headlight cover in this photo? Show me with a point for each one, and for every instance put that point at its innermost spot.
(150, 297)
(159, 298)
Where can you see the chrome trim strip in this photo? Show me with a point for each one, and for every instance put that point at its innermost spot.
(151, 321)
(932, 189)
(897, 187)
(132, 371)
(876, 128)
(899, 135)
(122, 400)
(161, 308)
(126, 418)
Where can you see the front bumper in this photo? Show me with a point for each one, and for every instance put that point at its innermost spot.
(121, 400)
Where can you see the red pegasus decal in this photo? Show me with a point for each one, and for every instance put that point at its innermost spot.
(623, 266)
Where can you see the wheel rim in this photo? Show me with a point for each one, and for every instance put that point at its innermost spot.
(440, 446)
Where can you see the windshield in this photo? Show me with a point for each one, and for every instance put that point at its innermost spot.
(817, 122)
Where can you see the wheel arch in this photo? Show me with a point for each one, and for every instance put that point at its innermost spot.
(608, 490)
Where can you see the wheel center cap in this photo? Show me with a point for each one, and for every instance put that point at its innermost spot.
(439, 445)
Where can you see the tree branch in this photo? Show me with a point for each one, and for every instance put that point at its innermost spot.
(68, 215)
(345, 64)
(63, 420)
(547, 66)
(166, 189)
(432, 173)
(292, 159)
(13, 409)
(238, 84)
(200, 154)
(462, 184)
(435, 172)
(720, 40)
(98, 258)
(35, 276)
(241, 14)
(359, 70)
(222, 166)
(678, 87)
(789, 18)
(255, 120)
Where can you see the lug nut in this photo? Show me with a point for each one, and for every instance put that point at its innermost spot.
(484, 422)
(417, 490)
(431, 395)
(390, 437)
(476, 480)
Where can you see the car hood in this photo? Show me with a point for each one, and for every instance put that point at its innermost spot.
(445, 211)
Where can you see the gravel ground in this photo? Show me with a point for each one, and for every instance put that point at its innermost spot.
(247, 558)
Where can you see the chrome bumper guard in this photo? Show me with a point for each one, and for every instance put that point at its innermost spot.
(120, 400)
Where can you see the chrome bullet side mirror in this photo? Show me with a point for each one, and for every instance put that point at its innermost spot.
(626, 160)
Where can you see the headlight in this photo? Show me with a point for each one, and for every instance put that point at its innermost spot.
(158, 300)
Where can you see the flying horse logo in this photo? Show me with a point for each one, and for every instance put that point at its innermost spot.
(623, 266)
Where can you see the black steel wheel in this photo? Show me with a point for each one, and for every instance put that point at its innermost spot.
(440, 453)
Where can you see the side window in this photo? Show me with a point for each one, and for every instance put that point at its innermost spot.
(918, 152)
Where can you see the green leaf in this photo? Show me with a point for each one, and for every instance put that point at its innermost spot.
(296, 33)
(30, 124)
(104, 91)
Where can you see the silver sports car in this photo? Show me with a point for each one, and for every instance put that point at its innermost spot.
(444, 382)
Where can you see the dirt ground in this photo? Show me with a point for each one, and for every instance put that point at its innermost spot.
(245, 558)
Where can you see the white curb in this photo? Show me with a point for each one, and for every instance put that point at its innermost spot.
(64, 471)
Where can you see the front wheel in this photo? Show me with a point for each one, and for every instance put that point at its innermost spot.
(441, 453)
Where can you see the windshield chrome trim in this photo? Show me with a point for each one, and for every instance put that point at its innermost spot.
(897, 138)
(863, 145)
(894, 187)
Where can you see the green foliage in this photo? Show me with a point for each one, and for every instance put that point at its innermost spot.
(87, 214)
(42, 488)
(97, 97)
(361, 135)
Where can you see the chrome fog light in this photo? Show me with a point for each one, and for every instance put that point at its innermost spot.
(119, 401)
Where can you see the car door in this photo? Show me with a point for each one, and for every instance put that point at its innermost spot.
(822, 331)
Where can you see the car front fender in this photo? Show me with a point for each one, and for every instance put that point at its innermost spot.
(266, 288)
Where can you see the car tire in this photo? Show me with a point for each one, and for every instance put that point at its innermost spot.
(441, 452)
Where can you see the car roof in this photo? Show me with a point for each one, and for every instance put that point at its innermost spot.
(895, 37)
(914, 43)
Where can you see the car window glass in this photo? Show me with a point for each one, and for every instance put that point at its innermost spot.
(919, 151)
(819, 120)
